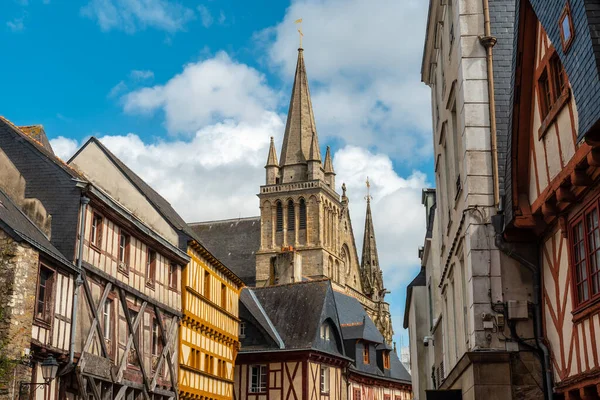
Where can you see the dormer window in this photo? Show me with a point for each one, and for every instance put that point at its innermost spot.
(386, 359)
(366, 357)
(242, 329)
(325, 332)
(566, 28)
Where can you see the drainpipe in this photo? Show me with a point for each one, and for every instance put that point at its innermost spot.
(488, 41)
(507, 249)
(79, 280)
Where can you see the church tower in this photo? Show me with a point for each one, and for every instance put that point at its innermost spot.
(301, 212)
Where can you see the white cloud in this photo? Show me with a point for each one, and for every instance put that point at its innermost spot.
(64, 147)
(133, 15)
(398, 216)
(363, 59)
(204, 93)
(117, 89)
(205, 16)
(141, 75)
(16, 25)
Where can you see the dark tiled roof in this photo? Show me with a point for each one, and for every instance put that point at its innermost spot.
(16, 223)
(249, 300)
(397, 370)
(234, 242)
(355, 322)
(420, 280)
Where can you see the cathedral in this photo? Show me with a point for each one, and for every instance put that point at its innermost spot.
(304, 231)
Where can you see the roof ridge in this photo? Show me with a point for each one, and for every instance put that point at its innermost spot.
(224, 220)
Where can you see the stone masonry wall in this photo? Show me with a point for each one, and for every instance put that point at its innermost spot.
(18, 279)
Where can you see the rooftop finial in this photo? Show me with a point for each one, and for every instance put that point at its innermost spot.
(368, 197)
(299, 22)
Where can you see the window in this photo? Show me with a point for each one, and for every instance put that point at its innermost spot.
(124, 240)
(258, 381)
(207, 284)
(291, 217)
(566, 28)
(386, 359)
(302, 216)
(207, 367)
(279, 217)
(552, 83)
(458, 151)
(107, 320)
(356, 395)
(242, 329)
(132, 358)
(430, 300)
(585, 245)
(223, 296)
(366, 355)
(325, 331)
(96, 231)
(324, 380)
(43, 309)
(150, 267)
(172, 275)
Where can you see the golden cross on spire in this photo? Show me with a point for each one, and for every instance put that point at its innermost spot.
(368, 197)
(299, 22)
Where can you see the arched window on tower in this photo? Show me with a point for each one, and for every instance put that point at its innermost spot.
(279, 217)
(302, 217)
(291, 216)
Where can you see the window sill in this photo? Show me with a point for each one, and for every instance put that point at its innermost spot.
(42, 323)
(553, 113)
(587, 310)
(95, 247)
(150, 285)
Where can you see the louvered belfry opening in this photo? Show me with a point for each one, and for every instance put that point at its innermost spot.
(302, 216)
(291, 223)
(279, 217)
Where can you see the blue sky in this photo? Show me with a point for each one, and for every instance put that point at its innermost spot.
(188, 93)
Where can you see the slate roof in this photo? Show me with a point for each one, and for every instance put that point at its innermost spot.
(295, 310)
(420, 280)
(249, 300)
(20, 227)
(38, 133)
(356, 324)
(234, 242)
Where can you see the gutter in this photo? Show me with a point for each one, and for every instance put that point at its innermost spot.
(78, 281)
(488, 41)
(509, 250)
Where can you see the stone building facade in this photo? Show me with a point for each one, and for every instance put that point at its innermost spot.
(474, 345)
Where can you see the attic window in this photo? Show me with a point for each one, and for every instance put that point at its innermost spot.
(242, 329)
(386, 359)
(566, 28)
(325, 332)
(366, 356)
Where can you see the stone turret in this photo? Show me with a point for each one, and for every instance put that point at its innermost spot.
(272, 168)
(314, 160)
(328, 169)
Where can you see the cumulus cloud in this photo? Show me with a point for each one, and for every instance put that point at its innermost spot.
(204, 93)
(64, 147)
(134, 15)
(363, 59)
(398, 216)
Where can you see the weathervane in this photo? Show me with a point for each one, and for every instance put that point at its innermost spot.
(368, 197)
(299, 22)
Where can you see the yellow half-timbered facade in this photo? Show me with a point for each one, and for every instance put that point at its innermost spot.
(208, 340)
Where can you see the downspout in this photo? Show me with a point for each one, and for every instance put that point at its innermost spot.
(79, 281)
(537, 305)
(488, 41)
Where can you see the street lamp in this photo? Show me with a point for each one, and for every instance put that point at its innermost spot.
(49, 369)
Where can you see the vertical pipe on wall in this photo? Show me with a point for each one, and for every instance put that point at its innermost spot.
(488, 41)
(78, 281)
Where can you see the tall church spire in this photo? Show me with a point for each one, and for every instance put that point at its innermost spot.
(300, 124)
(370, 271)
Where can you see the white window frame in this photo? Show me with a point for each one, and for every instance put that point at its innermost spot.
(260, 371)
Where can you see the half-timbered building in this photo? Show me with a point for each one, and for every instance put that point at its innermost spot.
(296, 345)
(552, 194)
(35, 278)
(205, 291)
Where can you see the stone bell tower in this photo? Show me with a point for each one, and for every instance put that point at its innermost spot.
(300, 209)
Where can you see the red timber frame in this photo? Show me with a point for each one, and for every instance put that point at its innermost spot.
(302, 358)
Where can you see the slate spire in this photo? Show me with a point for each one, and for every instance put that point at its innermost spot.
(300, 126)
